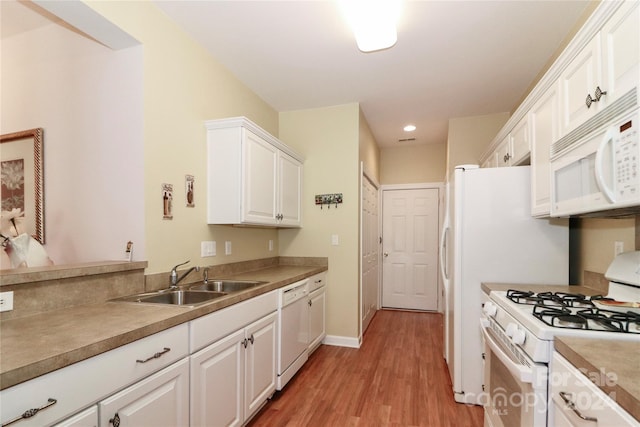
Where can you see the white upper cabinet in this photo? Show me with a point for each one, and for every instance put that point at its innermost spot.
(621, 52)
(543, 118)
(604, 70)
(520, 146)
(579, 81)
(253, 178)
(290, 189)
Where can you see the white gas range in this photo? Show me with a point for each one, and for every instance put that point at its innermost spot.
(519, 328)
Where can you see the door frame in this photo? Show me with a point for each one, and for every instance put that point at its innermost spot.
(440, 186)
(365, 174)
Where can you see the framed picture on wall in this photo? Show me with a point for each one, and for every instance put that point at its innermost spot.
(22, 188)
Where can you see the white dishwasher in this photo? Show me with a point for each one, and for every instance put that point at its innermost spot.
(293, 330)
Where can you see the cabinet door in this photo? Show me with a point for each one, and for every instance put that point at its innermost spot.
(217, 383)
(543, 130)
(316, 318)
(159, 400)
(520, 148)
(86, 418)
(259, 197)
(290, 190)
(260, 363)
(578, 81)
(503, 152)
(621, 52)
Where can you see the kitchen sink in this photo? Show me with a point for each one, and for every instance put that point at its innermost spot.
(182, 297)
(226, 286)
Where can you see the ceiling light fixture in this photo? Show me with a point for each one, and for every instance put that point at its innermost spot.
(409, 128)
(373, 22)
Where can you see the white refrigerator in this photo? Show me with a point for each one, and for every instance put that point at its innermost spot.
(489, 235)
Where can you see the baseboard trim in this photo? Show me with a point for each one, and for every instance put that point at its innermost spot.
(341, 341)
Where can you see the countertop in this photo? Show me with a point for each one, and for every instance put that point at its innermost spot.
(618, 360)
(38, 344)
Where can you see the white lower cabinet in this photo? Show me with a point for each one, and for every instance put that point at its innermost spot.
(576, 401)
(317, 309)
(233, 377)
(86, 418)
(61, 393)
(159, 400)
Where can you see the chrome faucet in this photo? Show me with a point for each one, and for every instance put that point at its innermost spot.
(173, 276)
(205, 275)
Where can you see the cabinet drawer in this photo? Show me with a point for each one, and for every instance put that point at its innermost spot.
(575, 395)
(317, 281)
(79, 385)
(221, 323)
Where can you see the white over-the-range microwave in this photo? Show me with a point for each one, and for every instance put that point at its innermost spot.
(596, 168)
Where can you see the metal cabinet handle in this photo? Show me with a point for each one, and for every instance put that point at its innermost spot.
(244, 342)
(115, 420)
(31, 412)
(155, 356)
(567, 397)
(310, 303)
(251, 339)
(506, 157)
(596, 96)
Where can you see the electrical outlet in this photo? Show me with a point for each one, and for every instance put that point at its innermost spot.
(335, 240)
(227, 248)
(6, 301)
(618, 248)
(270, 245)
(207, 249)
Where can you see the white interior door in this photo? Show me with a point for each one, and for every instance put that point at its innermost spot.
(370, 253)
(410, 248)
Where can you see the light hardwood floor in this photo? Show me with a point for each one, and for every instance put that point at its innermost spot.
(398, 377)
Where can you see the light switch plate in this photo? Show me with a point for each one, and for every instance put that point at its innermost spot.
(270, 245)
(227, 248)
(335, 240)
(6, 301)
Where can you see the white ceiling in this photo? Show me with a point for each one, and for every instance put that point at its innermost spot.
(452, 58)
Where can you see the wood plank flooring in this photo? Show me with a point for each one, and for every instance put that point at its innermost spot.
(397, 378)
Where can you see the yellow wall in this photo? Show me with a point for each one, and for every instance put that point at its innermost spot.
(369, 151)
(414, 163)
(593, 240)
(470, 136)
(183, 87)
(328, 138)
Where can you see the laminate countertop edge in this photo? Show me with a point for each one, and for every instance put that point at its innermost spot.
(613, 366)
(35, 345)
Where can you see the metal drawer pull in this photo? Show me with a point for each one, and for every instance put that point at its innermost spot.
(31, 412)
(567, 399)
(155, 356)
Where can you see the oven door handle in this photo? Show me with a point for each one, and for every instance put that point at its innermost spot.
(521, 372)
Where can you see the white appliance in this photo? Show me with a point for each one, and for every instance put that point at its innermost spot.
(490, 236)
(596, 167)
(519, 328)
(293, 330)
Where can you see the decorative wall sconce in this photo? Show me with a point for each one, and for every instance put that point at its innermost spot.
(328, 199)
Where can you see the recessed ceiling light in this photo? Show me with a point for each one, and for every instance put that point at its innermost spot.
(409, 128)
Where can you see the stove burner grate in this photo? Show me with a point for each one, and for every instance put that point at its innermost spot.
(590, 318)
(553, 299)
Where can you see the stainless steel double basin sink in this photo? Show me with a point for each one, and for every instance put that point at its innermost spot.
(192, 295)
